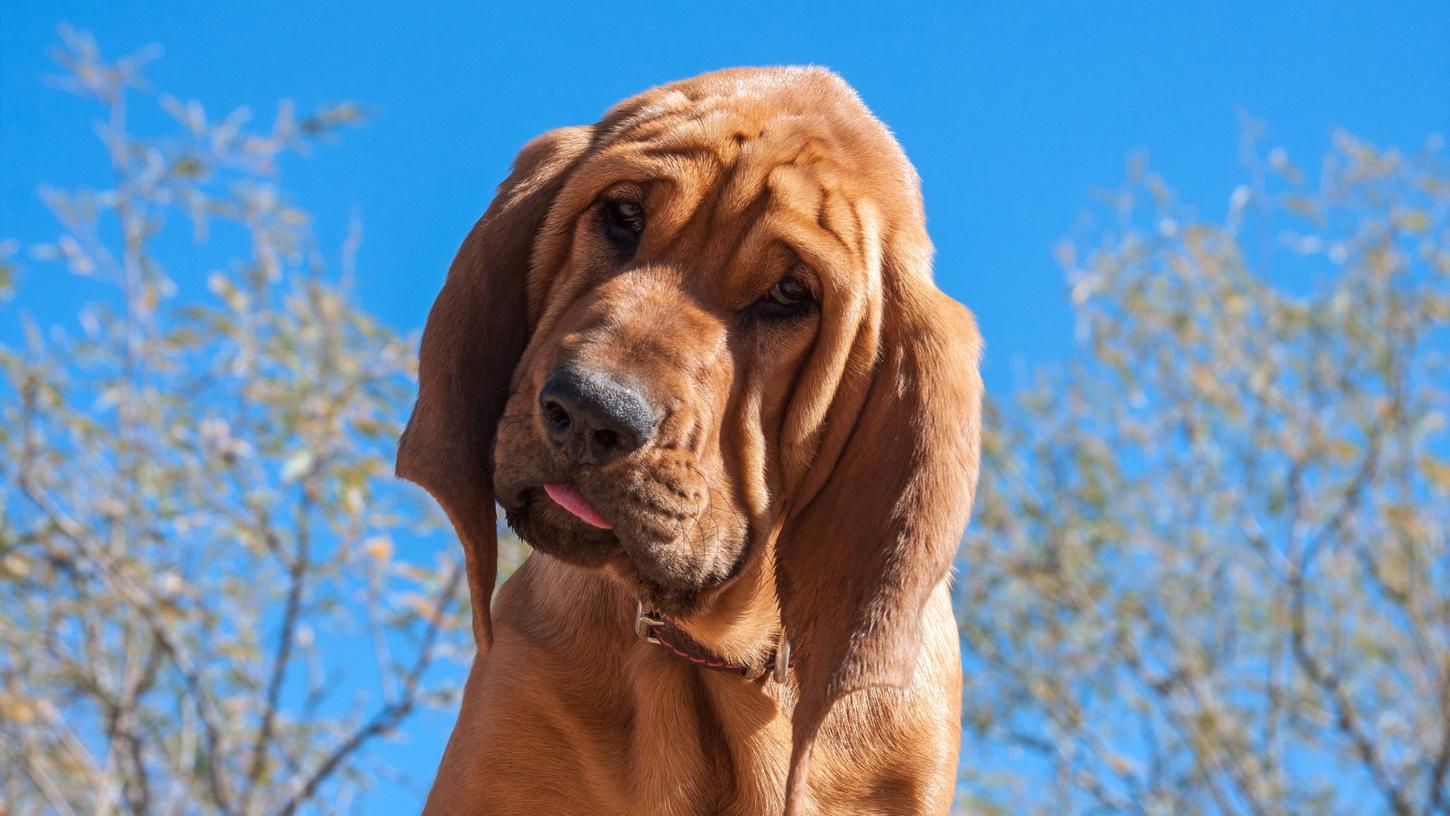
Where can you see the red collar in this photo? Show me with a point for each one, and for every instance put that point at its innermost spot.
(656, 629)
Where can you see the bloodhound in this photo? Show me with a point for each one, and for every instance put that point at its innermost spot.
(696, 354)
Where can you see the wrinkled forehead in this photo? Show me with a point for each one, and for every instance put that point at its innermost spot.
(741, 165)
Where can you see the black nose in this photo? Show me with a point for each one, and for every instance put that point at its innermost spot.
(592, 417)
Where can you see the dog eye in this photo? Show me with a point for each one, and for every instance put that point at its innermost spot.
(790, 296)
(624, 223)
(789, 292)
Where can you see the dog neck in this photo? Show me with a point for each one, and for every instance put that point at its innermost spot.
(669, 634)
(739, 622)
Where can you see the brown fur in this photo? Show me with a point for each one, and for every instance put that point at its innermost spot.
(815, 471)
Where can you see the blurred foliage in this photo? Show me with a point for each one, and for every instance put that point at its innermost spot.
(204, 611)
(1208, 571)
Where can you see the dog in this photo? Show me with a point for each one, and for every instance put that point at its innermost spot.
(696, 353)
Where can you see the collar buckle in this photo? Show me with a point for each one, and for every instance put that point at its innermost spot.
(782, 659)
(645, 623)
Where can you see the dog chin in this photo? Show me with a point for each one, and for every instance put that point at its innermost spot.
(550, 530)
(676, 602)
(675, 598)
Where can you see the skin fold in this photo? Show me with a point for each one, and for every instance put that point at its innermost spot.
(736, 268)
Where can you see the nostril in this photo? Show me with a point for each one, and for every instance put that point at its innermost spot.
(556, 416)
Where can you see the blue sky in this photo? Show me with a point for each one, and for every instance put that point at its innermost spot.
(1012, 112)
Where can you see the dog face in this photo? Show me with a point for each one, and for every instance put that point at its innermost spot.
(687, 289)
(704, 330)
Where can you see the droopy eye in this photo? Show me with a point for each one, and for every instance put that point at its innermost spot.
(789, 292)
(789, 297)
(624, 223)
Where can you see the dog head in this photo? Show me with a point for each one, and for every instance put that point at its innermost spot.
(702, 331)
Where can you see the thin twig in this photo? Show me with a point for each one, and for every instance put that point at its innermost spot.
(392, 712)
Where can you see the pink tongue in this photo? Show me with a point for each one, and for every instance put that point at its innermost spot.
(570, 499)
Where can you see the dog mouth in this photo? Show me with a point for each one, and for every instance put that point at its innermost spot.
(568, 497)
(560, 520)
(545, 524)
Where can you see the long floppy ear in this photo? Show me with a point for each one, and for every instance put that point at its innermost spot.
(476, 332)
(857, 563)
